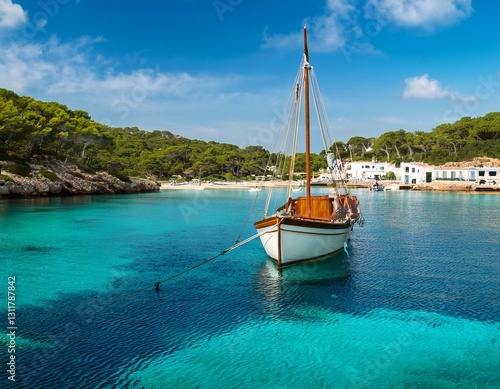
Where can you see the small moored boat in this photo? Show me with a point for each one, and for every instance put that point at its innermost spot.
(311, 226)
(376, 187)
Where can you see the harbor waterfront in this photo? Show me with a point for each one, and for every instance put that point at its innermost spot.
(441, 186)
(414, 302)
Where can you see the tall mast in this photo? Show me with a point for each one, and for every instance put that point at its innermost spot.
(308, 141)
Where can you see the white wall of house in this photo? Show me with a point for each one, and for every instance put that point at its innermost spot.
(468, 174)
(484, 173)
(366, 171)
(448, 174)
(418, 172)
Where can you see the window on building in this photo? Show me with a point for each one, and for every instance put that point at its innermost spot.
(407, 169)
(481, 173)
(413, 170)
(492, 173)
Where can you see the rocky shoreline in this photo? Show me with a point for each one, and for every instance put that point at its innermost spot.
(57, 179)
(452, 186)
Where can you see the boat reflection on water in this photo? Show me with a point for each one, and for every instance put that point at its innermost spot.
(296, 285)
(321, 270)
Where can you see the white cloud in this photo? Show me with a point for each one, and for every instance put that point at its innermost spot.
(41, 23)
(332, 31)
(36, 64)
(11, 15)
(278, 41)
(427, 14)
(73, 67)
(340, 27)
(425, 88)
(16, 66)
(73, 74)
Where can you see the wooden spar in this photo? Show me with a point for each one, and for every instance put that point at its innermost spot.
(306, 51)
(307, 122)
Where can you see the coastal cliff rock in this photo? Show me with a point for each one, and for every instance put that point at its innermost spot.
(57, 179)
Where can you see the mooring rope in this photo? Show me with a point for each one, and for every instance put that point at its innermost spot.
(234, 246)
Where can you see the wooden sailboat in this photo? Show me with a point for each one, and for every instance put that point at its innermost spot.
(311, 226)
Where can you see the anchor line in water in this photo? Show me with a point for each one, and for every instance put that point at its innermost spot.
(234, 246)
(248, 218)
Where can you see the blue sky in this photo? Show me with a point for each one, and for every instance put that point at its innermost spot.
(222, 69)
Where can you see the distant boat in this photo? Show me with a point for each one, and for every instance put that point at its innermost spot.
(376, 187)
(307, 227)
(255, 189)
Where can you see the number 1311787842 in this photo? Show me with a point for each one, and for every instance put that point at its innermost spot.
(11, 320)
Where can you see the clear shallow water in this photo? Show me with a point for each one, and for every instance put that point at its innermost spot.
(415, 304)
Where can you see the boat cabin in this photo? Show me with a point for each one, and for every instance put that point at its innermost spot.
(324, 208)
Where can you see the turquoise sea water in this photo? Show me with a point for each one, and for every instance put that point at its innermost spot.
(414, 304)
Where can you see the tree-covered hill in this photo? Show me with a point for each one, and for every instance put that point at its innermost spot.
(463, 140)
(32, 130)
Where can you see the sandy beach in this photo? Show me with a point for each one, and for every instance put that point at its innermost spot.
(225, 185)
(444, 186)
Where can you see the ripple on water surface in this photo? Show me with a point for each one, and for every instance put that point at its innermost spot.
(381, 349)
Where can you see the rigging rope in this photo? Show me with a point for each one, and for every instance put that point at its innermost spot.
(248, 218)
(290, 119)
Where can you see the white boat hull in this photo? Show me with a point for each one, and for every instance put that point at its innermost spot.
(290, 241)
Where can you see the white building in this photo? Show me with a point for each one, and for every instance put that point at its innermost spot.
(366, 171)
(416, 173)
(451, 173)
(419, 172)
(487, 174)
